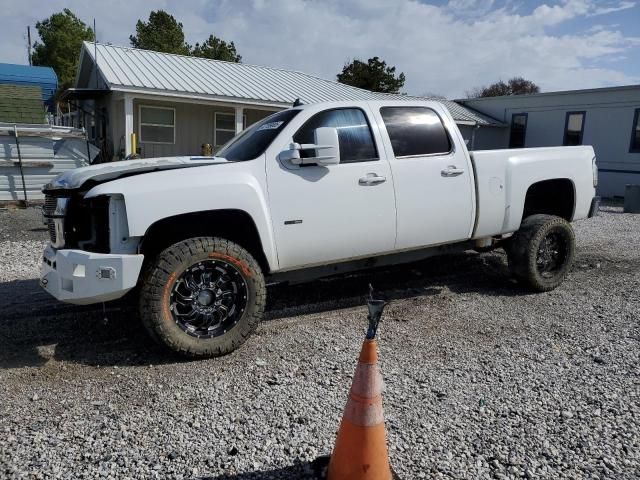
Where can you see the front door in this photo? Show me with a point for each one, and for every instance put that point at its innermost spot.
(323, 215)
(433, 179)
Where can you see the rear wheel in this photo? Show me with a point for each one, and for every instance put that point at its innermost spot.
(203, 297)
(541, 253)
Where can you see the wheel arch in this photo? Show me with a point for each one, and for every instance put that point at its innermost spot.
(232, 224)
(555, 196)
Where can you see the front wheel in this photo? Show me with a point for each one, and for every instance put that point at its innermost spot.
(541, 253)
(203, 297)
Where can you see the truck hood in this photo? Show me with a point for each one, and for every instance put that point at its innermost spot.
(73, 179)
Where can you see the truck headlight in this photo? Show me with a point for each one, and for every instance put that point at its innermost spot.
(594, 167)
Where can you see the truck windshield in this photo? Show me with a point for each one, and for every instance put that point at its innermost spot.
(254, 140)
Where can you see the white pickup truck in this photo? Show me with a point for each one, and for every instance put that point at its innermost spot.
(307, 192)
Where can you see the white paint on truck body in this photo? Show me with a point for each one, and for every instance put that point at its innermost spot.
(223, 186)
(315, 214)
(341, 219)
(432, 209)
(504, 176)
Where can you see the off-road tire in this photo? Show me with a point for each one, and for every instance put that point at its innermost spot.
(523, 251)
(166, 268)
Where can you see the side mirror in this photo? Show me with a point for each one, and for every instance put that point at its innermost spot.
(327, 142)
(291, 155)
(326, 147)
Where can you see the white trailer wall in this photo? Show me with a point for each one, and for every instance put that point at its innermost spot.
(42, 159)
(607, 127)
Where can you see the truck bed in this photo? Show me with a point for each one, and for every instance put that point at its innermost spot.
(502, 175)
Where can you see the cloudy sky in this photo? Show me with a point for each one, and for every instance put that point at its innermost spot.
(443, 47)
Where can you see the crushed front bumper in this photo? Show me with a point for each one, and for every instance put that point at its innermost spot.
(80, 277)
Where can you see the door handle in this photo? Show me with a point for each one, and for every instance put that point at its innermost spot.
(452, 171)
(372, 179)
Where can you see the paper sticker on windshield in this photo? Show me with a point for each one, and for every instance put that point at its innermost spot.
(270, 126)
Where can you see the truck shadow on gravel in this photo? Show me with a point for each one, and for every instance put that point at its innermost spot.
(461, 273)
(34, 328)
(315, 470)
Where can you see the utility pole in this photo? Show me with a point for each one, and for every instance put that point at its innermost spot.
(29, 40)
(95, 50)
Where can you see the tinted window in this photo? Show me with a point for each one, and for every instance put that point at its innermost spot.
(518, 130)
(254, 141)
(635, 133)
(415, 131)
(573, 128)
(354, 135)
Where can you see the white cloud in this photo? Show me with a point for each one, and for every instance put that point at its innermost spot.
(441, 49)
(470, 7)
(603, 10)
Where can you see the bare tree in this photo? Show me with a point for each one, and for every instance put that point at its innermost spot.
(514, 86)
(432, 95)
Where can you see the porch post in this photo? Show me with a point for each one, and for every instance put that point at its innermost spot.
(239, 122)
(128, 123)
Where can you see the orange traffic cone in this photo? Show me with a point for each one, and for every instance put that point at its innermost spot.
(360, 452)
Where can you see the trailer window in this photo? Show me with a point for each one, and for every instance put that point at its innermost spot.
(415, 131)
(518, 130)
(573, 128)
(635, 133)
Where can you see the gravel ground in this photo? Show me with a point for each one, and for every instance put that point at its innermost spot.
(482, 379)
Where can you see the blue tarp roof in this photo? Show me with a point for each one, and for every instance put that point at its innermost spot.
(44, 77)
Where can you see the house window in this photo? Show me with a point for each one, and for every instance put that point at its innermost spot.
(224, 128)
(635, 133)
(157, 124)
(574, 128)
(518, 130)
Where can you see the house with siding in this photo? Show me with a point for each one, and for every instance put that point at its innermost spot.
(174, 104)
(606, 118)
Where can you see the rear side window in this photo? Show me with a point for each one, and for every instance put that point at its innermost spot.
(415, 131)
(354, 134)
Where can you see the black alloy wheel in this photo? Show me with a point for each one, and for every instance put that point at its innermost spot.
(202, 297)
(552, 254)
(208, 298)
(541, 252)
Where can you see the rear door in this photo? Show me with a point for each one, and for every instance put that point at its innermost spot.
(431, 172)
